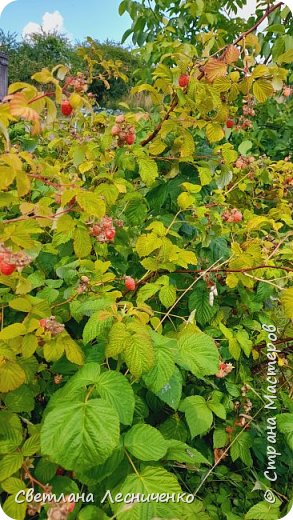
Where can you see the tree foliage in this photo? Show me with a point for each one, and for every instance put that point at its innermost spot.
(48, 49)
(145, 264)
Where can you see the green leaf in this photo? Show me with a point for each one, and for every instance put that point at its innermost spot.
(167, 295)
(145, 442)
(147, 291)
(80, 435)
(164, 364)
(244, 147)
(264, 511)
(20, 400)
(31, 445)
(92, 513)
(285, 57)
(117, 391)
(244, 341)
(197, 413)
(198, 353)
(10, 432)
(217, 408)
(10, 464)
(199, 301)
(240, 449)
(220, 438)
(96, 326)
(148, 171)
(171, 392)
(117, 339)
(181, 452)
(81, 242)
(139, 352)
(150, 480)
(285, 425)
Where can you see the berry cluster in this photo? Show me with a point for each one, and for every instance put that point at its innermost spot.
(104, 231)
(224, 370)
(84, 284)
(248, 110)
(242, 162)
(60, 510)
(125, 133)
(10, 261)
(51, 325)
(232, 216)
(78, 83)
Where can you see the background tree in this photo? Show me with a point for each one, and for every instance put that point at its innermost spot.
(48, 49)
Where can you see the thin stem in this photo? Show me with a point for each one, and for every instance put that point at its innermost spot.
(188, 289)
(132, 463)
(33, 479)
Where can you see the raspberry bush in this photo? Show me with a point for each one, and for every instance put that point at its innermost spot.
(140, 258)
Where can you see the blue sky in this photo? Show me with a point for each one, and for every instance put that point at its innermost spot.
(79, 18)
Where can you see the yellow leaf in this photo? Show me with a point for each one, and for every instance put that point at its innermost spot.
(262, 89)
(11, 375)
(23, 184)
(214, 132)
(91, 203)
(44, 76)
(73, 351)
(287, 302)
(19, 107)
(185, 200)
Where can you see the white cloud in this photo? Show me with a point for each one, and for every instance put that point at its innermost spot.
(51, 22)
(3, 4)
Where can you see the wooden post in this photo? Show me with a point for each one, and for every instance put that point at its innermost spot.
(3, 75)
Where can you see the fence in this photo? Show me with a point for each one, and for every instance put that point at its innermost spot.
(3, 75)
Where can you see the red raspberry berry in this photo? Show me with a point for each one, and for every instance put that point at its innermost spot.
(237, 216)
(7, 269)
(183, 80)
(120, 119)
(110, 234)
(229, 123)
(69, 505)
(43, 323)
(66, 108)
(115, 130)
(129, 283)
(130, 138)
